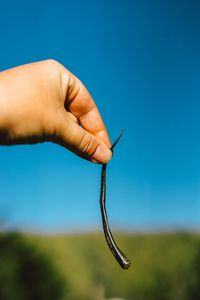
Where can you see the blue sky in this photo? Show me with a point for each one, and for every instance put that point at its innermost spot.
(141, 62)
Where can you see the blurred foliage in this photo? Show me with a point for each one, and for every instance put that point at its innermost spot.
(165, 266)
(26, 273)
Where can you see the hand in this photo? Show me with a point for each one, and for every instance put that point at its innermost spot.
(43, 101)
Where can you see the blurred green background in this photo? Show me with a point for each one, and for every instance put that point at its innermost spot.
(80, 266)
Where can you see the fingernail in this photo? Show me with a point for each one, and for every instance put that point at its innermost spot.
(102, 154)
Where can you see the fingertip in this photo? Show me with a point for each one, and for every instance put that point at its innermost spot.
(102, 154)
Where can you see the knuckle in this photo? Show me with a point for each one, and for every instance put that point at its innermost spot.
(52, 63)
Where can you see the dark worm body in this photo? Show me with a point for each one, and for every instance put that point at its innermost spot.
(118, 254)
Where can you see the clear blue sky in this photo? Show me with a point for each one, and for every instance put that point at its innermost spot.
(140, 60)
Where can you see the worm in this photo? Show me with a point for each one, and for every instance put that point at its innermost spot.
(118, 254)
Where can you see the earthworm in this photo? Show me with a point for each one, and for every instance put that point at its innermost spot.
(118, 254)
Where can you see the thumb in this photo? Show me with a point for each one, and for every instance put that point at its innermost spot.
(78, 140)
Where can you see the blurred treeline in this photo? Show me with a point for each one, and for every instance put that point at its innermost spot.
(165, 266)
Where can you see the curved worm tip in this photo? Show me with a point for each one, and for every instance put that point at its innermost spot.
(125, 264)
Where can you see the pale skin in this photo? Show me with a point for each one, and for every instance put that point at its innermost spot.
(43, 101)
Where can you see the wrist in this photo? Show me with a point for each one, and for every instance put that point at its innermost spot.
(2, 108)
(3, 118)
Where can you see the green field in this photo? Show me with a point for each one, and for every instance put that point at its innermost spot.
(80, 266)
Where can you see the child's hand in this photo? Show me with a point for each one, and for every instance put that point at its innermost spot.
(43, 101)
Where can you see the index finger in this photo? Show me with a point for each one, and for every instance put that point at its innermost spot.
(79, 102)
